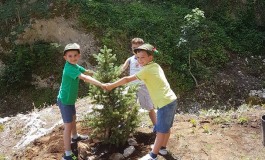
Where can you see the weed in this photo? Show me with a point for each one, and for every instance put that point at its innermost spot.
(209, 146)
(2, 157)
(19, 132)
(2, 127)
(210, 113)
(193, 122)
(206, 129)
(243, 120)
(243, 108)
(254, 136)
(221, 120)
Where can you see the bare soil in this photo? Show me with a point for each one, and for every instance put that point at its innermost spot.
(228, 136)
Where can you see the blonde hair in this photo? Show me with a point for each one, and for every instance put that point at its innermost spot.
(137, 41)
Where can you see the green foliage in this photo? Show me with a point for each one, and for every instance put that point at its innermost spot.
(193, 122)
(44, 96)
(20, 66)
(114, 115)
(161, 23)
(118, 23)
(40, 58)
(2, 157)
(2, 127)
(206, 129)
(199, 46)
(15, 15)
(228, 26)
(243, 120)
(221, 120)
(238, 20)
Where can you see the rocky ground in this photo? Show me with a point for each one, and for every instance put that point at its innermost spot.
(208, 135)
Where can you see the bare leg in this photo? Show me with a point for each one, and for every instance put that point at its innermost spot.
(67, 136)
(152, 115)
(164, 144)
(74, 131)
(160, 137)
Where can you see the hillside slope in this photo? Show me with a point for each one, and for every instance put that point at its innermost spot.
(59, 22)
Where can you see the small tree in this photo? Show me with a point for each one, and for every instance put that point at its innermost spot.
(190, 36)
(114, 114)
(201, 45)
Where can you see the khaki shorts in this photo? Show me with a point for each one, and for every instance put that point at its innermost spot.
(144, 98)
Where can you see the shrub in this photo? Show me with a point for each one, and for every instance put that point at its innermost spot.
(40, 58)
(159, 25)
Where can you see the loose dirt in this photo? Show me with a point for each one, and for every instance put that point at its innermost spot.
(211, 135)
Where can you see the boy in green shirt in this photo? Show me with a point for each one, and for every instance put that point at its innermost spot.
(163, 98)
(68, 93)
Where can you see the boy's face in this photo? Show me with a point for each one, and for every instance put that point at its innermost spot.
(134, 46)
(72, 56)
(143, 58)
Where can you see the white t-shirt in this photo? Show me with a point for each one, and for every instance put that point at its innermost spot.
(134, 68)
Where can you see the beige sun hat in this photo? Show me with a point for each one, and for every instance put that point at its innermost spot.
(147, 47)
(71, 46)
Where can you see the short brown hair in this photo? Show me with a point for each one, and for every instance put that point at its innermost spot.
(137, 41)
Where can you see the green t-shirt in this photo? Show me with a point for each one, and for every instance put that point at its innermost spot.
(70, 83)
(157, 84)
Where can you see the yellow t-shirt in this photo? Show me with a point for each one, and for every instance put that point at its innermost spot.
(155, 80)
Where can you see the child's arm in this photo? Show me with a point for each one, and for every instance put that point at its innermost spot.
(120, 82)
(89, 79)
(125, 65)
(89, 72)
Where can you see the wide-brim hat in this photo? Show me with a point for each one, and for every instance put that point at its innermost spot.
(71, 46)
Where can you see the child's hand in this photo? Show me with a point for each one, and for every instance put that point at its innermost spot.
(109, 86)
(103, 86)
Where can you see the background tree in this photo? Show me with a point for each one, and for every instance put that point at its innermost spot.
(198, 46)
(114, 115)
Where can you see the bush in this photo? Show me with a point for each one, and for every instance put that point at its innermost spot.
(228, 26)
(40, 58)
(116, 24)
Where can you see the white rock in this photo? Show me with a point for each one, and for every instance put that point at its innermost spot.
(128, 151)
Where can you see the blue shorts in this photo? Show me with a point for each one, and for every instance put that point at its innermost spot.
(67, 111)
(165, 117)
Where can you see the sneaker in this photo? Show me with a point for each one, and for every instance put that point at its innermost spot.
(74, 148)
(71, 157)
(163, 152)
(80, 138)
(147, 157)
